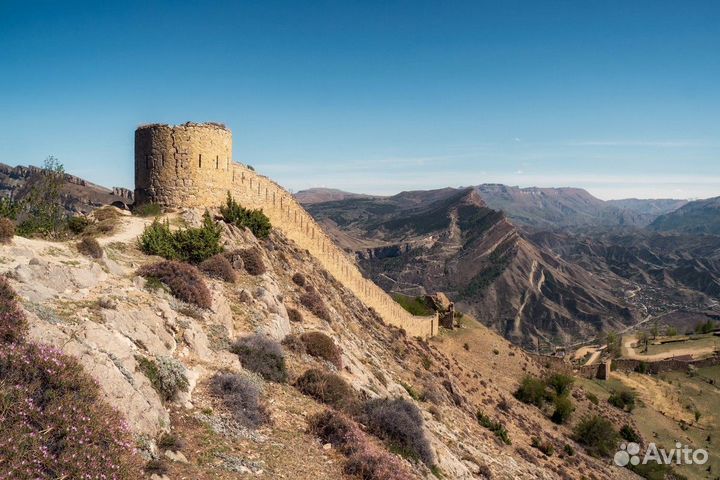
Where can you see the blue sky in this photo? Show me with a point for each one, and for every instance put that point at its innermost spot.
(619, 97)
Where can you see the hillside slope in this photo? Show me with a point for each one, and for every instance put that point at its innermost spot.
(113, 320)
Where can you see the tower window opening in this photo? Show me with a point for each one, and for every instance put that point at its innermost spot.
(200, 160)
(217, 162)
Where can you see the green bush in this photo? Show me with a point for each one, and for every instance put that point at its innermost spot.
(255, 220)
(593, 398)
(546, 448)
(9, 208)
(78, 224)
(167, 375)
(532, 391)
(597, 435)
(563, 409)
(628, 433)
(190, 245)
(623, 399)
(494, 426)
(561, 383)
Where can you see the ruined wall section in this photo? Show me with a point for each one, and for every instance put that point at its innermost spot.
(256, 191)
(182, 165)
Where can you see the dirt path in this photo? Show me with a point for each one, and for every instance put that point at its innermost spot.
(628, 351)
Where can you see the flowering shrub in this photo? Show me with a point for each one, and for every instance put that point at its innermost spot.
(54, 424)
(184, 281)
(366, 460)
(13, 324)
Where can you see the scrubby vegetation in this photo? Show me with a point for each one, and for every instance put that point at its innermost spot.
(54, 423)
(262, 355)
(299, 279)
(623, 399)
(494, 426)
(532, 391)
(242, 397)
(597, 435)
(13, 323)
(320, 345)
(294, 315)
(254, 220)
(9, 208)
(555, 388)
(366, 460)
(251, 258)
(90, 247)
(190, 244)
(327, 388)
(563, 409)
(414, 305)
(7, 230)
(167, 375)
(546, 448)
(400, 423)
(219, 267)
(628, 433)
(315, 304)
(184, 281)
(147, 210)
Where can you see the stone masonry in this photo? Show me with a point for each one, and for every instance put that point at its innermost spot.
(191, 166)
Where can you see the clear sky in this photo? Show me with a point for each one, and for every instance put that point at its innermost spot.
(619, 97)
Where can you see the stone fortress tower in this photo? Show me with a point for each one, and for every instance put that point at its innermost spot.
(184, 165)
(191, 166)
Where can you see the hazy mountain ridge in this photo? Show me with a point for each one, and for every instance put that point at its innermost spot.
(697, 217)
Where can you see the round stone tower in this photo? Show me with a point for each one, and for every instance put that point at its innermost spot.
(187, 165)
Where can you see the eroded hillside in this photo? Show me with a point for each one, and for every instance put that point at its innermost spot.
(119, 324)
(449, 240)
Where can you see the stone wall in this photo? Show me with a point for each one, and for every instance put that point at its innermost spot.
(171, 169)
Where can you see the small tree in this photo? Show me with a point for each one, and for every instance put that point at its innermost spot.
(644, 340)
(43, 212)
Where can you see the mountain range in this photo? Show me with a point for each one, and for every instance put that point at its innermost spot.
(536, 264)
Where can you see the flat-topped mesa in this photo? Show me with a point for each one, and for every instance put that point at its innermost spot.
(191, 166)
